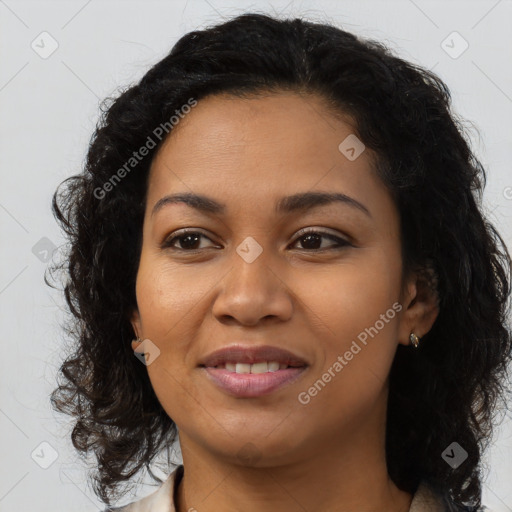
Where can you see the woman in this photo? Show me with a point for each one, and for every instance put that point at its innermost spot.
(278, 257)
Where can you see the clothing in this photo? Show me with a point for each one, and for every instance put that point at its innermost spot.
(424, 500)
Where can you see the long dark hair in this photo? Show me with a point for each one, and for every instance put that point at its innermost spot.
(445, 391)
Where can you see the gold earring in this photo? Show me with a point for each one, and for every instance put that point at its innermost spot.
(415, 340)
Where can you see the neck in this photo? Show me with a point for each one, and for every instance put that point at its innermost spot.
(350, 474)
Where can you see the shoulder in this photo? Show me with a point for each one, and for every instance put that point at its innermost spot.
(161, 500)
(427, 500)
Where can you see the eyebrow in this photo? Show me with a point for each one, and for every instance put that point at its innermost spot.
(285, 205)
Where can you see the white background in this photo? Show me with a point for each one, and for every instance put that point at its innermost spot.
(49, 108)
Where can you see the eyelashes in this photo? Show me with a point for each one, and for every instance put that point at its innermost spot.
(188, 240)
(311, 234)
(185, 234)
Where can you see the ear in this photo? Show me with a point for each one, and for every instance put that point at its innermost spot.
(137, 328)
(420, 303)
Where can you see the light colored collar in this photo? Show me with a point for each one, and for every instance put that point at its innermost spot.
(161, 500)
(424, 500)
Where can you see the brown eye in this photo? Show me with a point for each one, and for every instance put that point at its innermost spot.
(187, 240)
(312, 240)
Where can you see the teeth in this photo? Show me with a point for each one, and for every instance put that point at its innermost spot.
(258, 368)
(243, 368)
(263, 367)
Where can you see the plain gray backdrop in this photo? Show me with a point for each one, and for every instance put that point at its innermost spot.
(59, 59)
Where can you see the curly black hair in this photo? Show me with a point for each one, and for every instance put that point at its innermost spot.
(448, 389)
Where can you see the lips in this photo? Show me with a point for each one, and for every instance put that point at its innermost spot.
(252, 385)
(248, 372)
(240, 354)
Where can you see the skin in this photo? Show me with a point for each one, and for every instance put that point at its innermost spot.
(328, 454)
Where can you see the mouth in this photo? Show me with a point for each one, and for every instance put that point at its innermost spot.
(261, 367)
(247, 372)
(242, 356)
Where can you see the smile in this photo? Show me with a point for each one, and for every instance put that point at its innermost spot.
(263, 367)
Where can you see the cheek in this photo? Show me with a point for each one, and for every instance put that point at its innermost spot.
(167, 295)
(168, 306)
(353, 295)
(358, 347)
(168, 301)
(354, 314)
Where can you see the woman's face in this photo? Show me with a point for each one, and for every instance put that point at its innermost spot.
(247, 276)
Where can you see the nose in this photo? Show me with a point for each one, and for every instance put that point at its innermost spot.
(253, 292)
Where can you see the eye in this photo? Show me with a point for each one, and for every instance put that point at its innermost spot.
(309, 238)
(186, 238)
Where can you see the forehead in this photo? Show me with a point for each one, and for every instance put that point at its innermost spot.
(259, 149)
